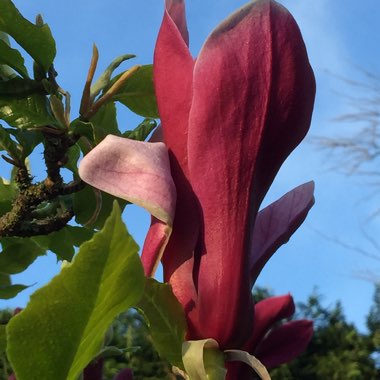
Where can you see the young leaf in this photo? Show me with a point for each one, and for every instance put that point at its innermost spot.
(138, 93)
(12, 58)
(62, 328)
(36, 40)
(166, 319)
(28, 112)
(105, 78)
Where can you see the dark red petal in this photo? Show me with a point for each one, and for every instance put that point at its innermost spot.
(176, 10)
(267, 313)
(285, 343)
(173, 76)
(253, 95)
(125, 374)
(276, 223)
(154, 245)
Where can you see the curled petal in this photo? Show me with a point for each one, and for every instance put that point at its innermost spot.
(276, 223)
(176, 10)
(173, 72)
(285, 343)
(154, 245)
(136, 171)
(268, 312)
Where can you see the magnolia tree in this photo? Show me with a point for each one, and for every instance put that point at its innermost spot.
(228, 120)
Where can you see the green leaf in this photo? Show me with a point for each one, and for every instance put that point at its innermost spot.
(138, 93)
(62, 328)
(92, 207)
(8, 292)
(5, 71)
(166, 319)
(3, 339)
(20, 87)
(36, 40)
(27, 139)
(12, 58)
(73, 156)
(18, 255)
(105, 78)
(82, 128)
(8, 192)
(7, 144)
(28, 112)
(105, 122)
(5, 279)
(62, 242)
(142, 131)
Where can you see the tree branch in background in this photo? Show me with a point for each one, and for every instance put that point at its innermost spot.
(358, 154)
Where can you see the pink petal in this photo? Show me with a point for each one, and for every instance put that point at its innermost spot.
(253, 95)
(138, 172)
(276, 223)
(267, 313)
(285, 343)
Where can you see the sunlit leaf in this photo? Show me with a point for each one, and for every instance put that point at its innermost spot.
(105, 78)
(28, 112)
(62, 328)
(36, 40)
(166, 320)
(138, 93)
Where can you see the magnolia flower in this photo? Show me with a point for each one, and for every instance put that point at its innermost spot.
(229, 119)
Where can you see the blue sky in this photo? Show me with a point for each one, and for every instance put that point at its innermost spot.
(340, 35)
